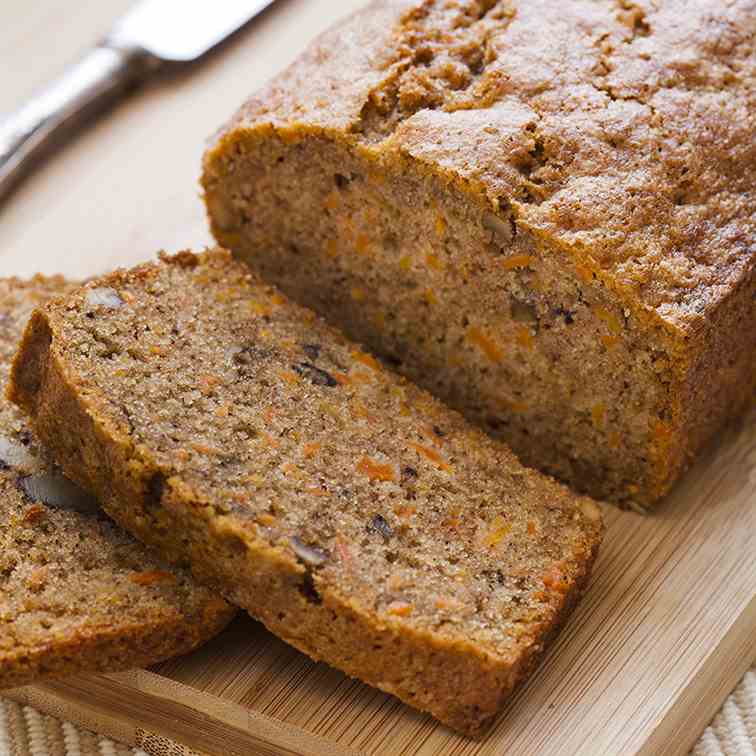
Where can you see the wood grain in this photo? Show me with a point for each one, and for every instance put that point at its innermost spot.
(667, 627)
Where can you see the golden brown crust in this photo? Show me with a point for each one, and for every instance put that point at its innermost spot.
(77, 594)
(354, 515)
(617, 136)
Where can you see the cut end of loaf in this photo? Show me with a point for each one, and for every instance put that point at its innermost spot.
(459, 296)
(359, 180)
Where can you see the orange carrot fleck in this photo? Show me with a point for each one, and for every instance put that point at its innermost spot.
(375, 470)
(333, 200)
(598, 414)
(431, 454)
(366, 359)
(400, 609)
(556, 580)
(311, 449)
(433, 262)
(362, 243)
(151, 578)
(517, 261)
(34, 514)
(498, 531)
(289, 376)
(525, 337)
(489, 348)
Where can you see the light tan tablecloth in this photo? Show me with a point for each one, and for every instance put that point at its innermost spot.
(26, 732)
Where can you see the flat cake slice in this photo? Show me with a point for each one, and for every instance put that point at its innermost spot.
(359, 518)
(77, 594)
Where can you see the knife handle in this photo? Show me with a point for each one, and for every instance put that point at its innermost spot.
(90, 85)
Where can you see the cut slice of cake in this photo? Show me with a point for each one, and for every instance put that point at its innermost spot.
(77, 594)
(356, 516)
(542, 211)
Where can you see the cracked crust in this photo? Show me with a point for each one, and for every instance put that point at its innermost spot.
(77, 594)
(634, 148)
(357, 517)
(614, 139)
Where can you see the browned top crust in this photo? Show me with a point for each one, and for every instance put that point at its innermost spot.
(76, 593)
(619, 132)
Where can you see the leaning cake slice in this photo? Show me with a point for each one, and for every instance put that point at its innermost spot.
(77, 594)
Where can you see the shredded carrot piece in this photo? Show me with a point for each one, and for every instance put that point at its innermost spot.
(362, 243)
(366, 359)
(269, 440)
(440, 224)
(405, 511)
(332, 247)
(430, 297)
(532, 527)
(525, 337)
(35, 513)
(289, 376)
(489, 348)
(310, 450)
(375, 470)
(333, 200)
(556, 580)
(498, 531)
(431, 454)
(609, 341)
(517, 261)
(433, 262)
(151, 578)
(259, 308)
(400, 609)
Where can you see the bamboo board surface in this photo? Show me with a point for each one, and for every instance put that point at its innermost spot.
(667, 627)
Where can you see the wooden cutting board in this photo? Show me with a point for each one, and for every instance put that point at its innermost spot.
(667, 627)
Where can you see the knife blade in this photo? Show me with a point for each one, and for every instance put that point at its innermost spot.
(176, 31)
(153, 35)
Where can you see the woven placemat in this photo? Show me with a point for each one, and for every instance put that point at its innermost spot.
(26, 732)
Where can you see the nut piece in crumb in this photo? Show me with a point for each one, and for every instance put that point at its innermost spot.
(103, 297)
(312, 556)
(379, 524)
(58, 492)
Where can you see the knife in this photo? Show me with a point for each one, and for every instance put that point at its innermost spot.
(154, 35)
